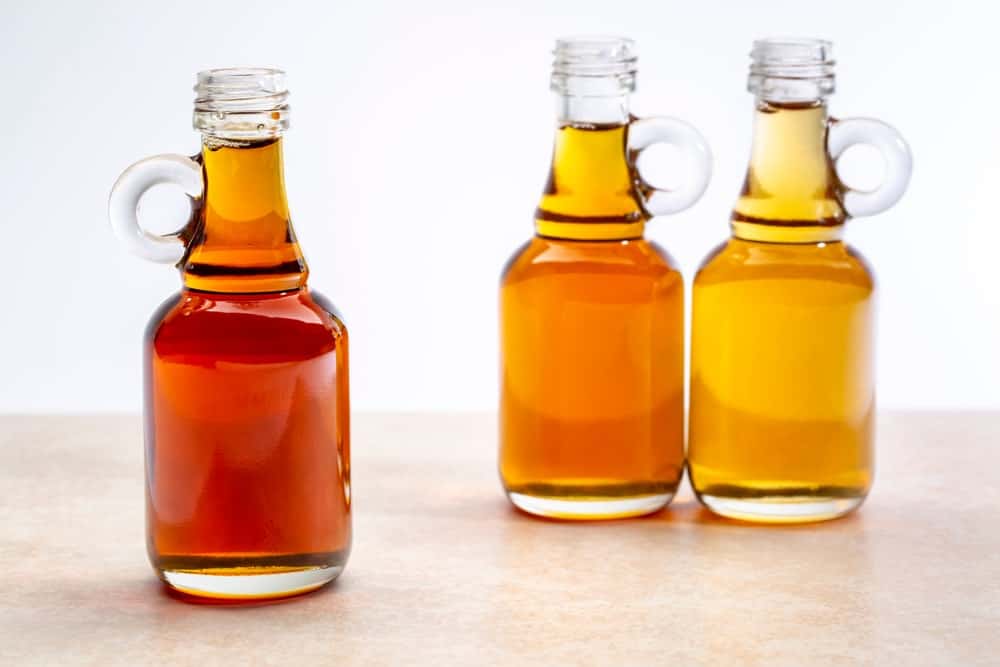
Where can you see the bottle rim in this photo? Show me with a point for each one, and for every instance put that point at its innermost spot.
(240, 88)
(792, 57)
(594, 55)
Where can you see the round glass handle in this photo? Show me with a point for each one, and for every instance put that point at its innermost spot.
(123, 205)
(898, 163)
(645, 132)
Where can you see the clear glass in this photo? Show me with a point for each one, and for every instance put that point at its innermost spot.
(241, 103)
(788, 70)
(592, 351)
(246, 368)
(782, 369)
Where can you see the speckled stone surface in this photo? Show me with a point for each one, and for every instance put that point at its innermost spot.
(445, 572)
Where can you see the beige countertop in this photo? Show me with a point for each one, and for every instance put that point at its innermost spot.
(445, 572)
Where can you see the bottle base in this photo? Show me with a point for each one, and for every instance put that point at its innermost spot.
(584, 509)
(248, 585)
(249, 577)
(781, 509)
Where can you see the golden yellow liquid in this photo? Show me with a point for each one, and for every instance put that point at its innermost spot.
(592, 352)
(782, 386)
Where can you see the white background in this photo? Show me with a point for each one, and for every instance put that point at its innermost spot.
(421, 134)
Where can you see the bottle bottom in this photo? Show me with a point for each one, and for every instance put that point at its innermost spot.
(249, 579)
(592, 502)
(801, 507)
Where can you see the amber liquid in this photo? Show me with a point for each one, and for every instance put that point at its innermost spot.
(782, 386)
(591, 411)
(247, 413)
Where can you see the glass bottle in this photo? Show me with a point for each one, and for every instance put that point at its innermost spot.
(246, 376)
(591, 313)
(782, 386)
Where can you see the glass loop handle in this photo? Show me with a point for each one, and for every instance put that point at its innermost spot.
(123, 205)
(898, 163)
(645, 132)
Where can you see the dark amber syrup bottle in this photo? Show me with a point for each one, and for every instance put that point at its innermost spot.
(246, 369)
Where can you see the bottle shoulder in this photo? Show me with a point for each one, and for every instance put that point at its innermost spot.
(276, 326)
(542, 255)
(328, 310)
(518, 259)
(737, 259)
(163, 313)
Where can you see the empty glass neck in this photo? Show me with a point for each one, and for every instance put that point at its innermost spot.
(241, 104)
(791, 71)
(592, 78)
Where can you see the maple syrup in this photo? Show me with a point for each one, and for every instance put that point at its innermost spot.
(592, 313)
(782, 344)
(246, 369)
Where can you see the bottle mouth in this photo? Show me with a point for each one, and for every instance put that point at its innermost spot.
(594, 66)
(241, 102)
(791, 69)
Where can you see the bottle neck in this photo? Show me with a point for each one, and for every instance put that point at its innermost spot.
(590, 194)
(791, 192)
(243, 240)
